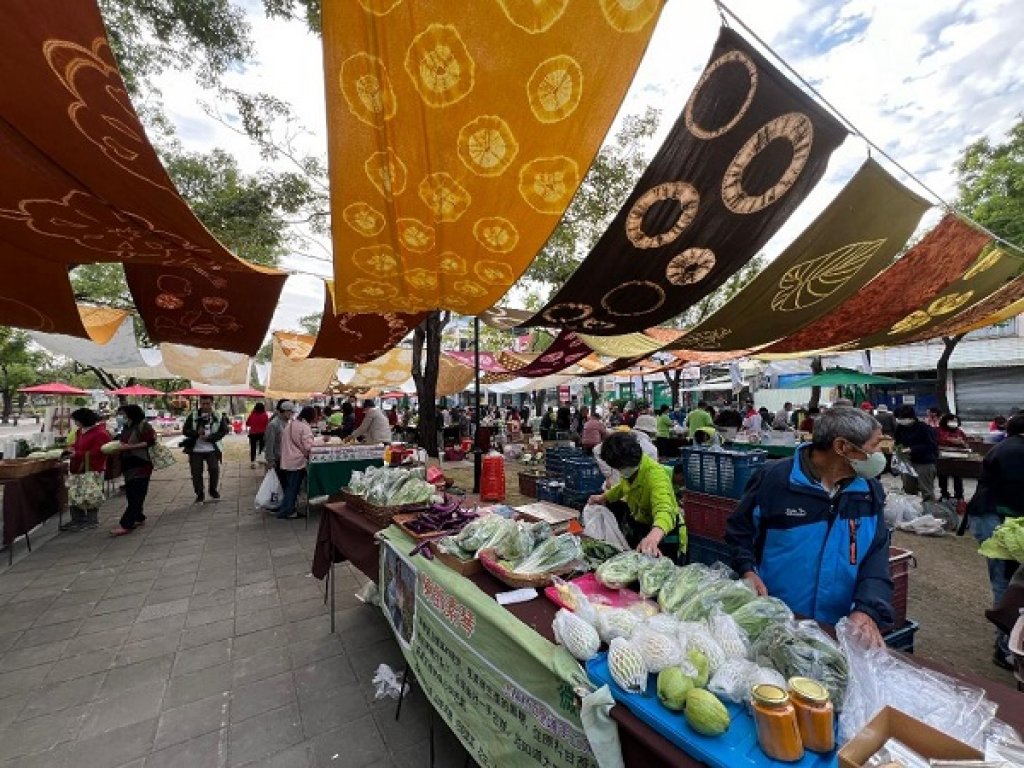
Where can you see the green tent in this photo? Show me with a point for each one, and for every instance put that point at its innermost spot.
(839, 377)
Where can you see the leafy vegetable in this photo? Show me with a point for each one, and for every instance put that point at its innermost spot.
(1006, 542)
(654, 574)
(621, 570)
(553, 554)
(803, 650)
(754, 616)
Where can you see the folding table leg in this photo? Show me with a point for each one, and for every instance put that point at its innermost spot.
(401, 694)
(331, 577)
(28, 542)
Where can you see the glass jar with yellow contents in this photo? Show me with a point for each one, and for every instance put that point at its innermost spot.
(814, 714)
(775, 717)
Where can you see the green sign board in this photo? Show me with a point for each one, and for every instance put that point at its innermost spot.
(505, 691)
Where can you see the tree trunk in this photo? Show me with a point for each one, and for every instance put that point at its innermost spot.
(8, 406)
(594, 399)
(942, 371)
(426, 364)
(674, 378)
(106, 380)
(815, 391)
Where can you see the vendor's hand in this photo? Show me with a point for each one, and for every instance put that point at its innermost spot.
(649, 544)
(756, 583)
(597, 498)
(867, 630)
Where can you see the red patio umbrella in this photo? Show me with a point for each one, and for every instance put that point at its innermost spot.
(53, 388)
(190, 392)
(137, 390)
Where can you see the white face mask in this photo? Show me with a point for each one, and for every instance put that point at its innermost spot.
(904, 422)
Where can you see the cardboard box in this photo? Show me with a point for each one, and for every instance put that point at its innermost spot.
(893, 724)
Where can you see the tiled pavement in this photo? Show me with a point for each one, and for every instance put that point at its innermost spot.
(199, 640)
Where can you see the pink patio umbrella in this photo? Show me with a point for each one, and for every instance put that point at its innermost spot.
(137, 390)
(59, 390)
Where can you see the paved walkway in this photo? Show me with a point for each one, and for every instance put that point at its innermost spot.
(200, 640)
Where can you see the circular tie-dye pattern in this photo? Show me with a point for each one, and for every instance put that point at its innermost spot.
(367, 89)
(793, 127)
(555, 88)
(717, 69)
(629, 15)
(444, 196)
(496, 234)
(643, 293)
(486, 145)
(547, 184)
(364, 219)
(387, 173)
(689, 267)
(683, 193)
(439, 64)
(533, 16)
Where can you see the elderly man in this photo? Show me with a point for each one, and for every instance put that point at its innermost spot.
(375, 427)
(203, 432)
(810, 530)
(272, 437)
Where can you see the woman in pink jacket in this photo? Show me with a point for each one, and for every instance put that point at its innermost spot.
(594, 431)
(296, 442)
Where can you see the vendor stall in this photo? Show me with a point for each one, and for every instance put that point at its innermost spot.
(331, 466)
(33, 491)
(959, 464)
(509, 691)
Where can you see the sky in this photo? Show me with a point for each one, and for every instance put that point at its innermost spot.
(921, 79)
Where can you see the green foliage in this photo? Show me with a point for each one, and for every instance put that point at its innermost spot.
(990, 184)
(311, 323)
(609, 181)
(307, 11)
(19, 364)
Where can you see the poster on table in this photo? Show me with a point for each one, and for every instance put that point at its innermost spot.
(505, 691)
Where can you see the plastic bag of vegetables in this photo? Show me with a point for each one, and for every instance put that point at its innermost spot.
(803, 650)
(695, 636)
(575, 600)
(616, 622)
(654, 574)
(551, 555)
(754, 616)
(474, 536)
(728, 594)
(683, 584)
(659, 651)
(621, 570)
(736, 677)
(728, 635)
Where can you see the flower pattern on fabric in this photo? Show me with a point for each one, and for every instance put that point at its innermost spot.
(440, 66)
(444, 196)
(371, 290)
(367, 88)
(568, 312)
(469, 288)
(377, 260)
(547, 184)
(806, 284)
(421, 279)
(709, 339)
(387, 173)
(986, 261)
(629, 15)
(494, 272)
(451, 263)
(496, 234)
(911, 322)
(364, 219)
(380, 7)
(555, 88)
(689, 267)
(487, 146)
(679, 191)
(416, 236)
(949, 303)
(533, 16)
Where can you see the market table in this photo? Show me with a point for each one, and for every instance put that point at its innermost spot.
(964, 465)
(351, 536)
(30, 500)
(327, 477)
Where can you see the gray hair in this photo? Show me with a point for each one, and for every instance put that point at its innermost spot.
(851, 424)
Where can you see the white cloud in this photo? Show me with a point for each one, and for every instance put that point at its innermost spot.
(921, 79)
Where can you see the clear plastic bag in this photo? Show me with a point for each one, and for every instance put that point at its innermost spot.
(616, 622)
(736, 677)
(576, 600)
(728, 635)
(880, 678)
(802, 649)
(697, 636)
(665, 623)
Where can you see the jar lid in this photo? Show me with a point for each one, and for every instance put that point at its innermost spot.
(808, 690)
(769, 695)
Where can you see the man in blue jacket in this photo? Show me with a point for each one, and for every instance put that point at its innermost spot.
(810, 530)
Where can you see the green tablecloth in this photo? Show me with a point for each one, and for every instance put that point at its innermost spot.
(326, 478)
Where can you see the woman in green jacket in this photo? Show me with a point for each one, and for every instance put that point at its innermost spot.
(654, 525)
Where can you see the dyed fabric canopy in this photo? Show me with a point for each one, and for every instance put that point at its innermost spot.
(292, 372)
(747, 149)
(920, 276)
(457, 139)
(853, 239)
(118, 350)
(82, 184)
(990, 272)
(566, 350)
(209, 366)
(392, 369)
(452, 377)
(1005, 303)
(504, 318)
(627, 345)
(359, 338)
(488, 361)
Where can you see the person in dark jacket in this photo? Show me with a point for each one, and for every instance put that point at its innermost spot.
(884, 417)
(1000, 495)
(919, 441)
(810, 530)
(203, 432)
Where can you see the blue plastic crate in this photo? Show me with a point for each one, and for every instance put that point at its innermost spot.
(555, 458)
(582, 475)
(550, 490)
(720, 473)
(736, 748)
(708, 551)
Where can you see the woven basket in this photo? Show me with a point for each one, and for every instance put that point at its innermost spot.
(489, 560)
(382, 516)
(15, 469)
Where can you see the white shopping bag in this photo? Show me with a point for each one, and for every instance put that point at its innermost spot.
(599, 523)
(270, 494)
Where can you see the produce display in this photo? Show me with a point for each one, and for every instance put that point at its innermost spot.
(510, 539)
(442, 518)
(1006, 542)
(705, 713)
(622, 570)
(803, 650)
(392, 486)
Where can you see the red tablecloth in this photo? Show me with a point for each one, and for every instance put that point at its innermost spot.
(30, 500)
